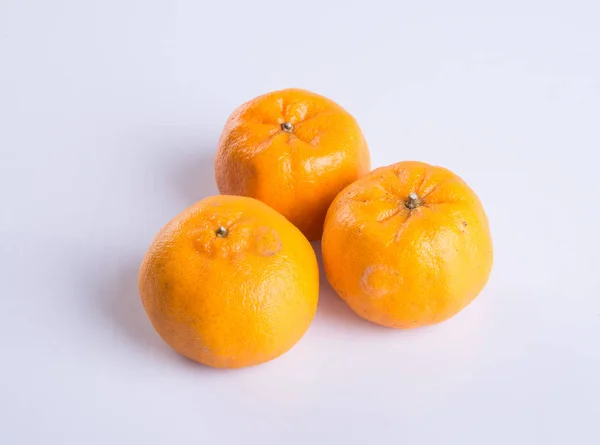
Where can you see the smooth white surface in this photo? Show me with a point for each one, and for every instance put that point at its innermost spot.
(109, 116)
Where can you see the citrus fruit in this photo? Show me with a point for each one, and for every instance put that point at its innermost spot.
(293, 150)
(230, 282)
(407, 245)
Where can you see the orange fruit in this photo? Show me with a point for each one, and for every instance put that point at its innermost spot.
(407, 245)
(230, 282)
(294, 150)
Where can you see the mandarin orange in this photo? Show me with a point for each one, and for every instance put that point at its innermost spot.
(407, 245)
(230, 282)
(294, 150)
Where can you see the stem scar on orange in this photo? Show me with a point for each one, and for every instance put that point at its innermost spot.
(407, 245)
(293, 150)
(230, 282)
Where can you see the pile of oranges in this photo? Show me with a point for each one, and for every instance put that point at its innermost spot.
(233, 281)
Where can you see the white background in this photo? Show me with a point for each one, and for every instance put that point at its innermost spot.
(109, 116)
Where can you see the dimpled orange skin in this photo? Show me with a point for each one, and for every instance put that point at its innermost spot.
(402, 267)
(230, 283)
(294, 150)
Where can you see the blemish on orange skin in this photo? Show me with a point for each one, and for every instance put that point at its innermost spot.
(267, 242)
(380, 280)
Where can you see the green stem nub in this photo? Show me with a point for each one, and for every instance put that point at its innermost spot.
(222, 232)
(413, 201)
